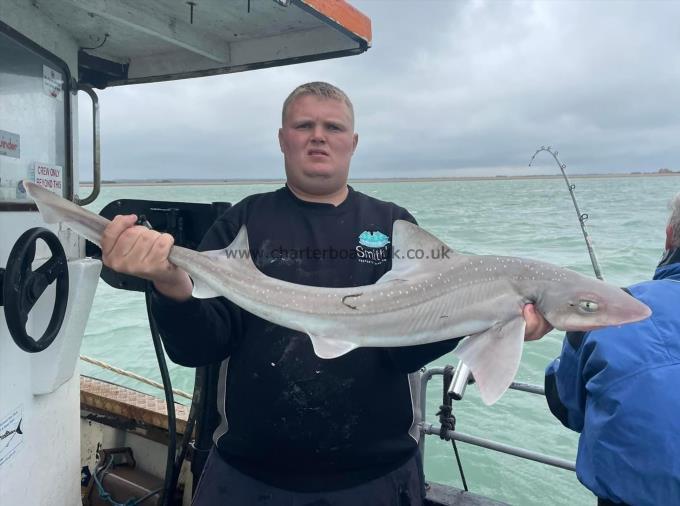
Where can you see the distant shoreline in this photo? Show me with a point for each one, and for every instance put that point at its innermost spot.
(206, 182)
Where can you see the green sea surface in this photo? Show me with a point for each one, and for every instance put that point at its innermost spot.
(530, 218)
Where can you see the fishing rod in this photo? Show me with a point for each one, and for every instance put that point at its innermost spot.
(582, 217)
(462, 374)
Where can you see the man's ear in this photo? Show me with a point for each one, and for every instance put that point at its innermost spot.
(669, 237)
(281, 139)
(355, 142)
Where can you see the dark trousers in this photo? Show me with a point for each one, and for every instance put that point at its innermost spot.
(221, 484)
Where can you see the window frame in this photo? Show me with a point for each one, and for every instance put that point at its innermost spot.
(69, 85)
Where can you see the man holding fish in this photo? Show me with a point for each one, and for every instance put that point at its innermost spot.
(289, 279)
(295, 425)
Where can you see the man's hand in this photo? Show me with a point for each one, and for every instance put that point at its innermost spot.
(537, 326)
(136, 250)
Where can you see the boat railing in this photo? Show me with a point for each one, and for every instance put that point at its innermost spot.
(428, 428)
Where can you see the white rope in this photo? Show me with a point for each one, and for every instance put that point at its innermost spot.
(130, 374)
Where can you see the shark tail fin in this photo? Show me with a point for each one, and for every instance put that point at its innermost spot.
(43, 199)
(493, 356)
(54, 209)
(237, 254)
(18, 430)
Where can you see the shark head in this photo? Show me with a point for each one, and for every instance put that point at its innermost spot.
(589, 304)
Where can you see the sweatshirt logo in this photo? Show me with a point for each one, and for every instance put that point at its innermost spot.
(373, 239)
(373, 247)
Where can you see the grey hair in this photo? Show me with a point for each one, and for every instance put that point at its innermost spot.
(674, 221)
(318, 89)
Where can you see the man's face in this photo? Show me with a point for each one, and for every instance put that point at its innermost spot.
(317, 140)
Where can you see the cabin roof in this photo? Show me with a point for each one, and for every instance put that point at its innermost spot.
(130, 41)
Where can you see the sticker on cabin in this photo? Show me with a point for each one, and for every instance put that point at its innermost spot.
(46, 175)
(11, 434)
(53, 83)
(9, 144)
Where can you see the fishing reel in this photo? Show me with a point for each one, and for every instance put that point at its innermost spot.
(22, 287)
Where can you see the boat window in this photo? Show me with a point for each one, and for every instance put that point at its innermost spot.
(34, 104)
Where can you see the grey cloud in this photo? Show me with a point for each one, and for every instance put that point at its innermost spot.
(448, 88)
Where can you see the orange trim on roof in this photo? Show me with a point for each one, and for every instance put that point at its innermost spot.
(345, 15)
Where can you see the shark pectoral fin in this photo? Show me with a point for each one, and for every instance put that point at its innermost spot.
(493, 356)
(325, 347)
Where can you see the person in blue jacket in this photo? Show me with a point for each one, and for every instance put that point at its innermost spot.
(620, 388)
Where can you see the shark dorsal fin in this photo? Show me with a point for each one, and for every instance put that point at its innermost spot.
(240, 243)
(238, 250)
(409, 241)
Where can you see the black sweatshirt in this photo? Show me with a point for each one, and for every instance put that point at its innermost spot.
(290, 418)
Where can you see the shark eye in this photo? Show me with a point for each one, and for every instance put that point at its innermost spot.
(588, 306)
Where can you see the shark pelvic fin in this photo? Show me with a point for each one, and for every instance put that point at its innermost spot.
(493, 356)
(325, 347)
(237, 251)
(202, 290)
(409, 242)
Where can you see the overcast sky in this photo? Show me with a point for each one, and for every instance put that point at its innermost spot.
(448, 88)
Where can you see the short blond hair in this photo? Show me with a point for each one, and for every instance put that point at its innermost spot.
(674, 221)
(321, 90)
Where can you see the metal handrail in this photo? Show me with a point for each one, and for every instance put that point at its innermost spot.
(427, 428)
(96, 149)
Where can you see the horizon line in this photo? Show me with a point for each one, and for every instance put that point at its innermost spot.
(389, 179)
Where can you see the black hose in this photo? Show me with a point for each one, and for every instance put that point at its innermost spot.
(207, 418)
(168, 488)
(188, 431)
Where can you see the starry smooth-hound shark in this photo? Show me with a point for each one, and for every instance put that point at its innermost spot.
(416, 302)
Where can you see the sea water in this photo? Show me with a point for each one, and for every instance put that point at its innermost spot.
(532, 218)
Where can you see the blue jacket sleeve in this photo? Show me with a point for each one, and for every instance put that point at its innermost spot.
(564, 386)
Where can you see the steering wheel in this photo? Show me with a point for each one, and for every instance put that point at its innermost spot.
(22, 287)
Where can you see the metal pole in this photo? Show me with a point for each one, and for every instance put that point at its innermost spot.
(582, 217)
(428, 428)
(515, 385)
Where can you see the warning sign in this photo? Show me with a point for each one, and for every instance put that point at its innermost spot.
(53, 83)
(9, 144)
(47, 176)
